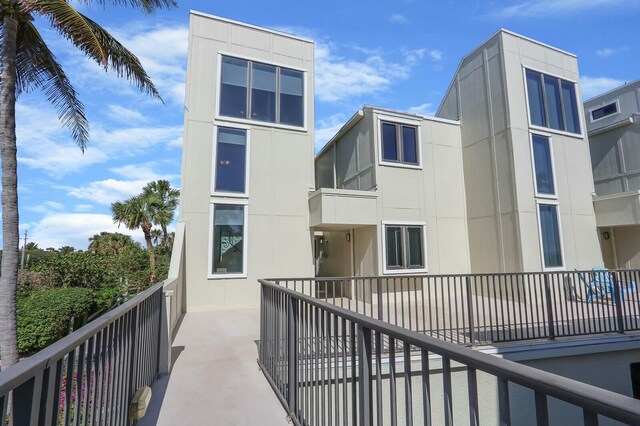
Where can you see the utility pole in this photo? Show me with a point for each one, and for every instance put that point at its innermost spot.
(24, 249)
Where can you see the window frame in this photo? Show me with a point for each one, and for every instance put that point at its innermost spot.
(224, 275)
(549, 137)
(214, 162)
(248, 121)
(399, 122)
(579, 105)
(617, 104)
(555, 203)
(383, 248)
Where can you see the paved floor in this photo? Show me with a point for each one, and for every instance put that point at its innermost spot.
(215, 378)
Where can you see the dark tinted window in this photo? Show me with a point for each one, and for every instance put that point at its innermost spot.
(263, 92)
(604, 111)
(389, 142)
(228, 239)
(291, 97)
(550, 230)
(231, 149)
(409, 145)
(233, 87)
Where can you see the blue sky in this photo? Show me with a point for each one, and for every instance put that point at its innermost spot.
(398, 54)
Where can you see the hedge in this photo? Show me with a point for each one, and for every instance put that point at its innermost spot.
(45, 316)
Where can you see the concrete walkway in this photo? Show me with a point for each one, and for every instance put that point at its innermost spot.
(215, 378)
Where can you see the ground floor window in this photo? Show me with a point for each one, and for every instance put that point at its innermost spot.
(228, 239)
(404, 247)
(550, 235)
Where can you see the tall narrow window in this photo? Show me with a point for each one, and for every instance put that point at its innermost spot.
(291, 97)
(231, 160)
(404, 247)
(554, 107)
(399, 143)
(536, 104)
(263, 92)
(233, 87)
(228, 239)
(394, 247)
(543, 165)
(552, 102)
(550, 235)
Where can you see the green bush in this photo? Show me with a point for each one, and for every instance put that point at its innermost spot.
(44, 316)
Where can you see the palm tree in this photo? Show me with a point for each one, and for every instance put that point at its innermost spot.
(156, 235)
(166, 209)
(110, 243)
(27, 64)
(138, 212)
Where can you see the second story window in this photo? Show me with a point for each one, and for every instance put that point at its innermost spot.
(230, 167)
(256, 91)
(404, 247)
(399, 143)
(543, 165)
(605, 111)
(552, 102)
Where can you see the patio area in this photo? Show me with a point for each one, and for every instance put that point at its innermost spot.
(215, 350)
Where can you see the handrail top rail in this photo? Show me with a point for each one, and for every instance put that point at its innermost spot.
(617, 406)
(471, 275)
(24, 370)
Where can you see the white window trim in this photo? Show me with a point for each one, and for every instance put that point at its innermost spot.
(617, 102)
(380, 118)
(564, 260)
(383, 248)
(214, 163)
(553, 167)
(222, 275)
(549, 129)
(246, 121)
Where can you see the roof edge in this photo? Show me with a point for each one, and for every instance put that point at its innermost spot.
(255, 27)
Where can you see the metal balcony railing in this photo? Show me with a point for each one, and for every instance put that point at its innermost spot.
(489, 308)
(329, 365)
(89, 376)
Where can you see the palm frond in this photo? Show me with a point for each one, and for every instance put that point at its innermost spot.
(72, 25)
(147, 6)
(122, 61)
(37, 67)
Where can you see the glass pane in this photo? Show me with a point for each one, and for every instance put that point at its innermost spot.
(231, 160)
(263, 92)
(414, 246)
(604, 111)
(233, 87)
(389, 142)
(394, 247)
(551, 245)
(228, 239)
(542, 164)
(571, 107)
(291, 97)
(409, 145)
(554, 108)
(534, 92)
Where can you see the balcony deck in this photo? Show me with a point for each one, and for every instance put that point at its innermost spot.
(215, 350)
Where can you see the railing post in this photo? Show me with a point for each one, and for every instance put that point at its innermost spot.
(365, 406)
(617, 301)
(379, 290)
(472, 328)
(292, 359)
(164, 357)
(550, 320)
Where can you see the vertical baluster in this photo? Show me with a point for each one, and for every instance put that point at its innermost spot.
(503, 402)
(448, 395)
(472, 385)
(392, 381)
(364, 383)
(426, 388)
(542, 410)
(408, 394)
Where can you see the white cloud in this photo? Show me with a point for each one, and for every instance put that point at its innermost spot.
(107, 191)
(592, 86)
(550, 8)
(74, 229)
(397, 18)
(326, 129)
(83, 207)
(338, 78)
(46, 207)
(436, 55)
(610, 51)
(124, 115)
(423, 109)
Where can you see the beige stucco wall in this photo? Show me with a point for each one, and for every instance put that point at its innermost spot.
(280, 167)
(490, 90)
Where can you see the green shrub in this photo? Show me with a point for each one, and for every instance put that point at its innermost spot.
(44, 316)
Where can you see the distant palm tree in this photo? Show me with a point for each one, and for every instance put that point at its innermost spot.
(156, 235)
(166, 209)
(138, 212)
(110, 243)
(27, 64)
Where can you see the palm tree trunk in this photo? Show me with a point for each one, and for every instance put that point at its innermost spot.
(146, 229)
(10, 233)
